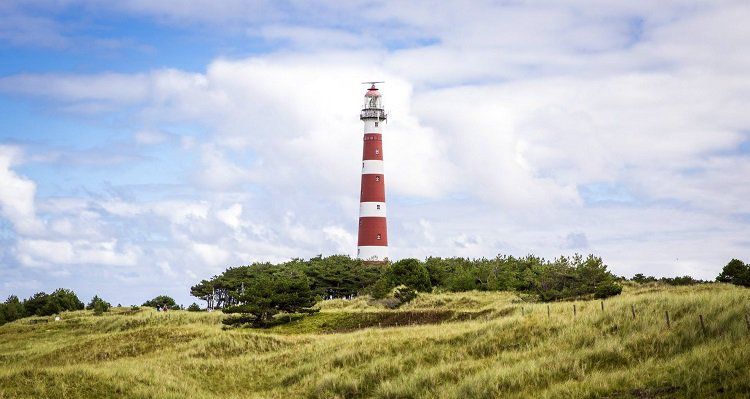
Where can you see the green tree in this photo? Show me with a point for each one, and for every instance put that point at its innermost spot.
(162, 301)
(735, 272)
(11, 310)
(98, 305)
(269, 294)
(411, 273)
(42, 304)
(194, 307)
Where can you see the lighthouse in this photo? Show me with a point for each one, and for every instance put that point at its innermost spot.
(372, 242)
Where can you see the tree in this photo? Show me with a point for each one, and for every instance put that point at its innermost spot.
(269, 294)
(411, 273)
(162, 301)
(194, 307)
(735, 272)
(11, 310)
(42, 304)
(98, 305)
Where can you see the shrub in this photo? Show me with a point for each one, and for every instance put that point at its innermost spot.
(405, 294)
(162, 301)
(98, 305)
(607, 289)
(411, 273)
(194, 307)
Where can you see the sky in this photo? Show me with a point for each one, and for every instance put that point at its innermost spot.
(146, 145)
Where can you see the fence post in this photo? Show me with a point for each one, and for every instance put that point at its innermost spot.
(602, 303)
(666, 315)
(522, 312)
(574, 310)
(703, 325)
(632, 310)
(548, 315)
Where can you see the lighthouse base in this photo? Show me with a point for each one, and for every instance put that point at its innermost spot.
(372, 253)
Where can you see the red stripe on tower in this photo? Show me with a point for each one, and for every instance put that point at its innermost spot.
(372, 243)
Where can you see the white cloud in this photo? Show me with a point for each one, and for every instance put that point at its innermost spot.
(17, 194)
(48, 253)
(231, 216)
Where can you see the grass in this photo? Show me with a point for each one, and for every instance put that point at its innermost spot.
(463, 345)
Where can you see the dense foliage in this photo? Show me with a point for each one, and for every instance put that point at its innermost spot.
(268, 294)
(39, 304)
(162, 301)
(42, 304)
(679, 280)
(194, 307)
(260, 291)
(735, 272)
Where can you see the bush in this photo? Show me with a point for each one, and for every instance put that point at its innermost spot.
(640, 278)
(98, 305)
(405, 295)
(162, 301)
(194, 307)
(607, 289)
(411, 273)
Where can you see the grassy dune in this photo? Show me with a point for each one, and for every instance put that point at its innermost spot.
(466, 345)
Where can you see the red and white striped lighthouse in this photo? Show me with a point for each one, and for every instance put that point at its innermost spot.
(373, 229)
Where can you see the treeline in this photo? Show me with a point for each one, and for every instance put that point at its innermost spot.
(261, 290)
(679, 280)
(64, 300)
(40, 304)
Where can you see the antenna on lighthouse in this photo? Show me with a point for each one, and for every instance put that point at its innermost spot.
(372, 83)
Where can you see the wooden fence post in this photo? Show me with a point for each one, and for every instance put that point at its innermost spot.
(703, 325)
(522, 313)
(602, 303)
(574, 310)
(548, 315)
(666, 315)
(632, 310)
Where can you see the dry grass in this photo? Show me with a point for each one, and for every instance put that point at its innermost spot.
(501, 351)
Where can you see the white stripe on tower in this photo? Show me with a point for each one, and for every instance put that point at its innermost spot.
(372, 209)
(372, 167)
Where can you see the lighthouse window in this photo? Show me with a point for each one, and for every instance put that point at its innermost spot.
(378, 206)
(376, 124)
(377, 151)
(378, 236)
(377, 178)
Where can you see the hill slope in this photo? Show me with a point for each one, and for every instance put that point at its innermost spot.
(469, 345)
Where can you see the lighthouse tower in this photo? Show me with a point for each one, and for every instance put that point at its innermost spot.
(373, 230)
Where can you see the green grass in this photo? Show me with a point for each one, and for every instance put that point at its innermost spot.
(463, 345)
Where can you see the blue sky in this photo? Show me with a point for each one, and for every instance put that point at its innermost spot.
(146, 145)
